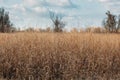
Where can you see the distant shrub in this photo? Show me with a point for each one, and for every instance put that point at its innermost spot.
(94, 30)
(74, 30)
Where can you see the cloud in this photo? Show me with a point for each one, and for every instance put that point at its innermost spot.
(103, 0)
(112, 5)
(40, 9)
(31, 2)
(36, 11)
(49, 3)
(59, 2)
(19, 7)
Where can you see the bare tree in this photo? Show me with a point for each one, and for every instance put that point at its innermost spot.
(5, 24)
(111, 24)
(57, 21)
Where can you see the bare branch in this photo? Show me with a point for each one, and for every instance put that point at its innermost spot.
(57, 21)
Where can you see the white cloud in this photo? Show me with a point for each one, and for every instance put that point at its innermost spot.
(103, 0)
(14, 17)
(39, 9)
(59, 2)
(30, 2)
(112, 5)
(49, 2)
(19, 7)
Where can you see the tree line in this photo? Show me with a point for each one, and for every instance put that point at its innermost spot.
(111, 23)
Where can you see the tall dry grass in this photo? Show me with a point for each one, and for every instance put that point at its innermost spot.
(64, 56)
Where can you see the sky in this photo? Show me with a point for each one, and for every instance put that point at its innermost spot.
(76, 13)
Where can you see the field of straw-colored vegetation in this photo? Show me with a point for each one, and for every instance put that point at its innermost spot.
(59, 56)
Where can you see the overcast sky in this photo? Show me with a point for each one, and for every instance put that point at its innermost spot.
(34, 13)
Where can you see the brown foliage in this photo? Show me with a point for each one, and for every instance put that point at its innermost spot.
(55, 56)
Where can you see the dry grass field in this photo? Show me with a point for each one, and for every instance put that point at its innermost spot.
(59, 56)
